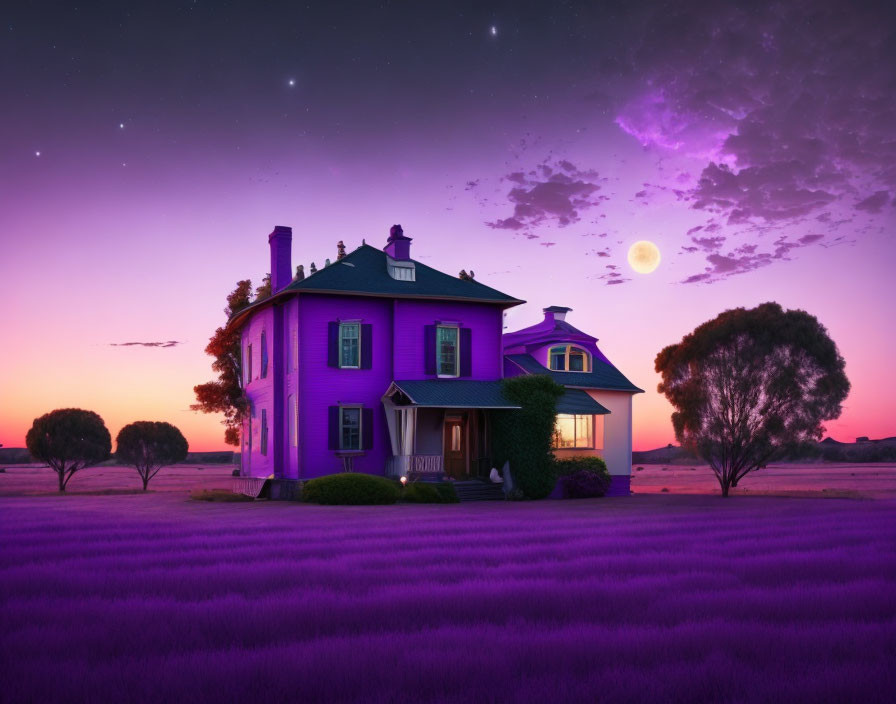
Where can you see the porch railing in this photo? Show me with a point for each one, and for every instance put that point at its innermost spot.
(404, 465)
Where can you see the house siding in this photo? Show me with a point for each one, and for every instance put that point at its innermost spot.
(482, 319)
(323, 386)
(260, 392)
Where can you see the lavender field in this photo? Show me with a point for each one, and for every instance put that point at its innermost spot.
(147, 598)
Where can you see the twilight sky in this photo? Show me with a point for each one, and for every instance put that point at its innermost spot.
(147, 151)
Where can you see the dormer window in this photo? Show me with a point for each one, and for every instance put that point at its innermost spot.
(569, 358)
(401, 270)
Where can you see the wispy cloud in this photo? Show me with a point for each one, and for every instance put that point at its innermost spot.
(167, 343)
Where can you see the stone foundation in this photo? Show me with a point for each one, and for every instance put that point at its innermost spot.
(285, 490)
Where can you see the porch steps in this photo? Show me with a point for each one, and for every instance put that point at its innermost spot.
(475, 490)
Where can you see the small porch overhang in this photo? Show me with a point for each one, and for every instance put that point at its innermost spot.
(576, 402)
(447, 393)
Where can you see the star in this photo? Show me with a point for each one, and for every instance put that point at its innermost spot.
(36, 153)
(292, 82)
(121, 125)
(493, 30)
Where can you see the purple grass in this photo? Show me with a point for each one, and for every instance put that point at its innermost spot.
(654, 598)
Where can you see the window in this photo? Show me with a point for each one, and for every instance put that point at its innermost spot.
(403, 271)
(447, 351)
(455, 437)
(264, 355)
(264, 431)
(248, 363)
(350, 345)
(349, 428)
(295, 349)
(567, 358)
(574, 432)
(293, 421)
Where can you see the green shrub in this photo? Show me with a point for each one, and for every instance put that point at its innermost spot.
(570, 465)
(351, 489)
(223, 495)
(447, 492)
(430, 493)
(420, 493)
(523, 437)
(583, 477)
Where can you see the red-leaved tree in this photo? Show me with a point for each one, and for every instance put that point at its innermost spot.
(225, 394)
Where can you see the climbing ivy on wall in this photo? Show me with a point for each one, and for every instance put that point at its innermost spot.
(523, 437)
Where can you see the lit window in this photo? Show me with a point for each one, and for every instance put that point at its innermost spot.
(568, 358)
(350, 345)
(574, 432)
(349, 428)
(447, 362)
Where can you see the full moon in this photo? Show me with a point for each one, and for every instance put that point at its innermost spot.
(644, 257)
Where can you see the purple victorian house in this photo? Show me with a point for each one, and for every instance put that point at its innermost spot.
(377, 363)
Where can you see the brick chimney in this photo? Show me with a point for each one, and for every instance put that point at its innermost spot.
(555, 313)
(398, 246)
(281, 257)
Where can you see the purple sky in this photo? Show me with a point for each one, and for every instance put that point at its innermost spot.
(145, 153)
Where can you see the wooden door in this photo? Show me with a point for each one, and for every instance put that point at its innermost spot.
(455, 446)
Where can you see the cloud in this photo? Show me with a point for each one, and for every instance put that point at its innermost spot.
(745, 258)
(168, 343)
(777, 125)
(553, 194)
(874, 203)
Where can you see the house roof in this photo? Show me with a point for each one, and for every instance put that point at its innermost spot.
(602, 375)
(466, 393)
(577, 402)
(452, 393)
(364, 272)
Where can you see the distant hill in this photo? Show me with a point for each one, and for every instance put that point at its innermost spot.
(20, 455)
(828, 450)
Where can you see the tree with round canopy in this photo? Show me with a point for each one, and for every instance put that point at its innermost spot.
(69, 440)
(148, 446)
(752, 386)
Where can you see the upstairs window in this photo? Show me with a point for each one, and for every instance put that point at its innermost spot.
(568, 358)
(295, 349)
(349, 345)
(264, 355)
(447, 351)
(248, 363)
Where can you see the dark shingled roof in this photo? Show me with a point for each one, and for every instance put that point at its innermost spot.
(365, 272)
(454, 393)
(577, 402)
(602, 376)
(466, 393)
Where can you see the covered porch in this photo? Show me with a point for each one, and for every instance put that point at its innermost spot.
(440, 428)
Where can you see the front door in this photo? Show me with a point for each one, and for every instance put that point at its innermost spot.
(455, 446)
